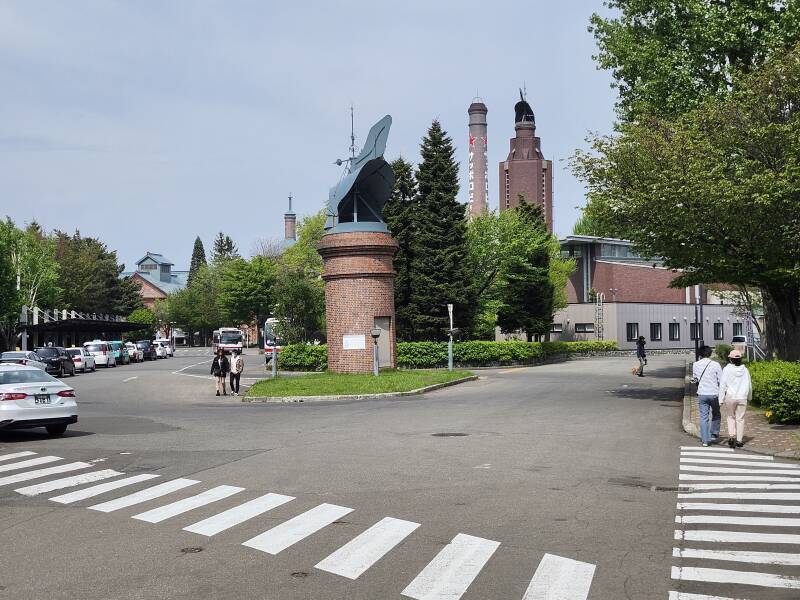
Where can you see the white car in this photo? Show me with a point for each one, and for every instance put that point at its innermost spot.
(23, 357)
(83, 361)
(167, 345)
(102, 352)
(29, 397)
(135, 353)
(161, 350)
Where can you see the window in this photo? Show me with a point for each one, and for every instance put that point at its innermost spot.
(719, 331)
(694, 328)
(655, 332)
(737, 329)
(674, 332)
(556, 328)
(148, 267)
(584, 327)
(632, 330)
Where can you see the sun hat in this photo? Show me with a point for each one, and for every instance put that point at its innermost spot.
(735, 354)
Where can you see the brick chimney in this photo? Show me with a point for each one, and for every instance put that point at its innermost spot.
(290, 223)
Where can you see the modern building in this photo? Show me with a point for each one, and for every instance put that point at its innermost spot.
(157, 279)
(478, 162)
(526, 173)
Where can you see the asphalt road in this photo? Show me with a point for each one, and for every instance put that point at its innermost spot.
(577, 460)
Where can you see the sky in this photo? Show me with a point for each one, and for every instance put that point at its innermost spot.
(149, 123)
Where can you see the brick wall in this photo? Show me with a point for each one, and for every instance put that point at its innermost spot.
(635, 283)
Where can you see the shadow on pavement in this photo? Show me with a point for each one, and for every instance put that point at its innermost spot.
(34, 435)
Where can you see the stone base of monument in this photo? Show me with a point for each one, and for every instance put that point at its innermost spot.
(359, 297)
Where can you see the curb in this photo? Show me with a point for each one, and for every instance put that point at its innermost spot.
(382, 396)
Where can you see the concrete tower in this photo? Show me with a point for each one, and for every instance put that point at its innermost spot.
(478, 166)
(290, 223)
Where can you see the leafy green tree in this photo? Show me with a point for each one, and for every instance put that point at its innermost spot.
(585, 225)
(33, 260)
(715, 192)
(299, 307)
(224, 249)
(10, 298)
(146, 317)
(246, 289)
(668, 56)
(198, 259)
(303, 255)
(128, 298)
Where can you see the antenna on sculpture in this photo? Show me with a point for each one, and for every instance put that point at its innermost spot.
(349, 161)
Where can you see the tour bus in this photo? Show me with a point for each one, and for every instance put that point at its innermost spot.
(227, 338)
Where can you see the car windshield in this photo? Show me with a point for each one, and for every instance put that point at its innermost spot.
(47, 352)
(24, 376)
(230, 338)
(13, 355)
(116, 345)
(74, 351)
(94, 348)
(143, 345)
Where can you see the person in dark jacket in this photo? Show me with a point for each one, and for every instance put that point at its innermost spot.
(220, 367)
(641, 355)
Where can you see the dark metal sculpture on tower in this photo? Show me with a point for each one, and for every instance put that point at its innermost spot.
(523, 111)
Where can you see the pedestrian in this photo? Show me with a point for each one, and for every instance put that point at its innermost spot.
(735, 390)
(706, 374)
(237, 366)
(641, 355)
(219, 369)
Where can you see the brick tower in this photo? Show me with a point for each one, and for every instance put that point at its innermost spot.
(290, 224)
(478, 165)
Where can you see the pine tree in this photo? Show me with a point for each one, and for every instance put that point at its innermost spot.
(198, 259)
(224, 249)
(438, 267)
(400, 214)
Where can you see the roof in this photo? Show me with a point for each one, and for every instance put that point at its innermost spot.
(158, 258)
(176, 283)
(592, 239)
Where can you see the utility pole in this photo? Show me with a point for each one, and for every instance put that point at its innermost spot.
(450, 340)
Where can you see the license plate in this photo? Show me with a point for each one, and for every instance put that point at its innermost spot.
(42, 399)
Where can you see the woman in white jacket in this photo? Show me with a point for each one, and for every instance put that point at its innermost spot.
(735, 391)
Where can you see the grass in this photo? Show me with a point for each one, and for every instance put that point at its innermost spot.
(336, 384)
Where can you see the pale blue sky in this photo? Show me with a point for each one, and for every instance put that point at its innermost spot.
(147, 123)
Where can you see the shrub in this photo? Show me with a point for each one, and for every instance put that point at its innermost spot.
(722, 351)
(303, 357)
(776, 388)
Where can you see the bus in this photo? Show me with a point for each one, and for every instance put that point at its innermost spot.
(271, 339)
(229, 339)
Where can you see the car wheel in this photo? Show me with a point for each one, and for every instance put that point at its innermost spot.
(56, 429)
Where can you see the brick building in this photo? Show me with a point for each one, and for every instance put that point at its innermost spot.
(156, 278)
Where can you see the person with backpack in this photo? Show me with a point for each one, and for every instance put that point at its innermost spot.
(735, 391)
(220, 367)
(641, 355)
(237, 366)
(706, 375)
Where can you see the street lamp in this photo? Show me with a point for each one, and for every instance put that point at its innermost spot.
(375, 333)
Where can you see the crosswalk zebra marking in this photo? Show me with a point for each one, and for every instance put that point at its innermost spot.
(742, 577)
(102, 488)
(33, 462)
(559, 578)
(739, 486)
(741, 463)
(359, 554)
(238, 514)
(767, 470)
(740, 496)
(38, 473)
(290, 532)
(685, 596)
(14, 455)
(731, 520)
(760, 508)
(745, 556)
(151, 493)
(453, 570)
(717, 456)
(689, 477)
(707, 449)
(736, 537)
(58, 484)
(167, 511)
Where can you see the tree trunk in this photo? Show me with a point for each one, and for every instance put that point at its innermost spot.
(782, 321)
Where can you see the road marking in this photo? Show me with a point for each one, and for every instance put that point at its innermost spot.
(729, 520)
(760, 508)
(745, 556)
(746, 463)
(162, 489)
(726, 576)
(702, 535)
(129, 379)
(27, 475)
(42, 460)
(716, 456)
(702, 449)
(764, 471)
(16, 455)
(741, 496)
(360, 553)
(96, 490)
(292, 531)
(202, 362)
(740, 486)
(453, 570)
(688, 477)
(685, 596)
(559, 578)
(181, 506)
(238, 514)
(65, 482)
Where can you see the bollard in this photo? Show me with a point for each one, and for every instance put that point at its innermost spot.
(274, 362)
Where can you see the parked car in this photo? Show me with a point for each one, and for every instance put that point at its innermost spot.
(147, 348)
(120, 352)
(57, 361)
(82, 359)
(161, 350)
(23, 357)
(102, 353)
(167, 344)
(134, 352)
(29, 397)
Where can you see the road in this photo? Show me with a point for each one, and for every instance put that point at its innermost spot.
(568, 468)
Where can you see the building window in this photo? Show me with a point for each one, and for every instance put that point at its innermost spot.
(632, 331)
(655, 332)
(719, 331)
(584, 327)
(694, 329)
(148, 267)
(737, 329)
(556, 328)
(674, 332)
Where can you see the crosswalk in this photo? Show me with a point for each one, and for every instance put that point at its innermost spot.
(447, 576)
(737, 526)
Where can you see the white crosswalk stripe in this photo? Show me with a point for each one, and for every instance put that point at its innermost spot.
(734, 520)
(14, 455)
(717, 456)
(162, 489)
(740, 496)
(58, 484)
(559, 578)
(739, 486)
(685, 596)
(162, 513)
(759, 508)
(298, 528)
(736, 462)
(33, 462)
(728, 577)
(453, 570)
(747, 556)
(702, 535)
(238, 514)
(102, 488)
(39, 473)
(690, 477)
(706, 449)
(765, 470)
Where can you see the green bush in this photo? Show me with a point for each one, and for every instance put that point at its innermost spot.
(776, 388)
(722, 351)
(428, 355)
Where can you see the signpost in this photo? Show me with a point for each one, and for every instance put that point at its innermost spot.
(375, 333)
(450, 341)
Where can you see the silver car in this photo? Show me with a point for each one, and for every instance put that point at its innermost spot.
(29, 397)
(23, 357)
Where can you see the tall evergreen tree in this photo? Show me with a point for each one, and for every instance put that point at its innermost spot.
(198, 259)
(438, 266)
(400, 214)
(224, 249)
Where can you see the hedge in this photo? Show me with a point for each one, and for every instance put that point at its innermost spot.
(426, 355)
(776, 388)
